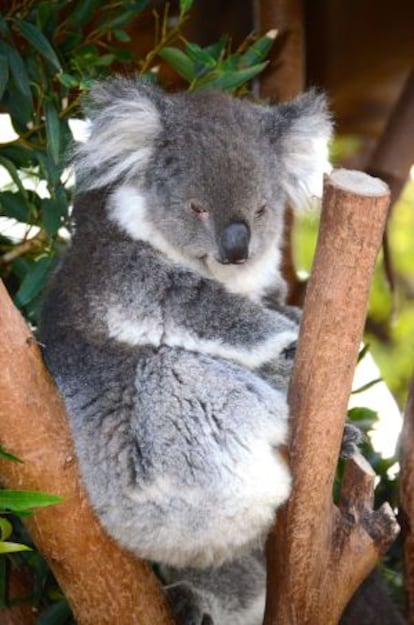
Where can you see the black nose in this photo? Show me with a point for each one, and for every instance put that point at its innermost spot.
(234, 243)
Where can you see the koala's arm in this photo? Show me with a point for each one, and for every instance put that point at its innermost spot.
(199, 315)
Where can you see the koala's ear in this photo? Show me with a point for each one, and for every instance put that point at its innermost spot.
(124, 122)
(300, 131)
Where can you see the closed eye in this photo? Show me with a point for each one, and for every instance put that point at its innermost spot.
(261, 211)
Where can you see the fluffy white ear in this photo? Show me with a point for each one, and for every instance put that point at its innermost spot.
(301, 130)
(124, 123)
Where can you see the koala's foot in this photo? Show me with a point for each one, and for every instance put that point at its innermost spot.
(352, 437)
(185, 606)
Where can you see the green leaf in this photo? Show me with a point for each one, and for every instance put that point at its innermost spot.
(34, 281)
(14, 205)
(365, 387)
(199, 55)
(6, 547)
(6, 456)
(6, 529)
(4, 74)
(7, 164)
(3, 584)
(19, 72)
(4, 28)
(21, 500)
(182, 64)
(56, 614)
(53, 211)
(217, 49)
(52, 132)
(121, 35)
(229, 80)
(67, 80)
(37, 39)
(258, 51)
(185, 6)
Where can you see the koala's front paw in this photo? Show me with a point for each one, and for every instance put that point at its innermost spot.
(185, 606)
(352, 437)
(290, 351)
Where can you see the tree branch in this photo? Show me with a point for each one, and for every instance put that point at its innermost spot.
(320, 554)
(407, 499)
(103, 583)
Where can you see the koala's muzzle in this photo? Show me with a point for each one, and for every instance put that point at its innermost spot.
(234, 243)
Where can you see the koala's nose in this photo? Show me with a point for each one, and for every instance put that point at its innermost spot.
(234, 243)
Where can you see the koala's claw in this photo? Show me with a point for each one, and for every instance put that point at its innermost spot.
(351, 439)
(290, 351)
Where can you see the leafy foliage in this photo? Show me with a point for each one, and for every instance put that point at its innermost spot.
(49, 56)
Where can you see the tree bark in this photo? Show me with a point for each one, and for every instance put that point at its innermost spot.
(320, 553)
(104, 584)
(407, 500)
(284, 78)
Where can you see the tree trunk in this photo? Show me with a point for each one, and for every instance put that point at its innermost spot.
(104, 584)
(320, 554)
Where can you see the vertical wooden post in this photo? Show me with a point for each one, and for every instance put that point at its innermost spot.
(319, 553)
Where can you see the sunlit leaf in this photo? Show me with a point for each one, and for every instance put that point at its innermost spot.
(37, 39)
(6, 529)
(6, 547)
(16, 500)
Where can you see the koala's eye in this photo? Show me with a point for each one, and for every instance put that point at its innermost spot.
(199, 210)
(261, 211)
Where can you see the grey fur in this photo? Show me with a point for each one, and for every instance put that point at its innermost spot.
(173, 368)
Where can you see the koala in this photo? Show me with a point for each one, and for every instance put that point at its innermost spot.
(158, 330)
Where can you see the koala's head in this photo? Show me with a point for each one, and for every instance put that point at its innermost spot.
(204, 177)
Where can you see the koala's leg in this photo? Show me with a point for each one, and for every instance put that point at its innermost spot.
(232, 594)
(179, 452)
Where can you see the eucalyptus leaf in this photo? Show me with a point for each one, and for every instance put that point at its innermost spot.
(7, 456)
(52, 132)
(15, 206)
(6, 547)
(258, 51)
(11, 168)
(4, 73)
(37, 39)
(185, 6)
(6, 529)
(33, 283)
(20, 500)
(19, 72)
(178, 60)
(229, 80)
(56, 614)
